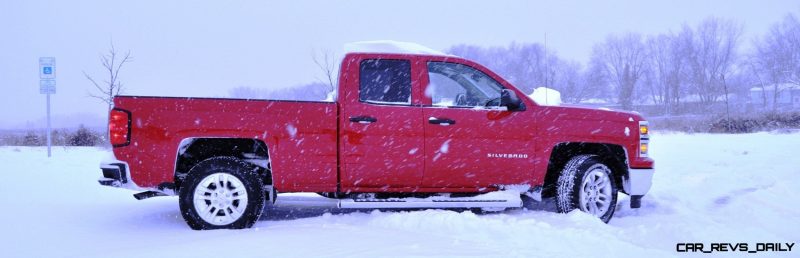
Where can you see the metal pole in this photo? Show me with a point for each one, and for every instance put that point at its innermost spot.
(546, 71)
(48, 125)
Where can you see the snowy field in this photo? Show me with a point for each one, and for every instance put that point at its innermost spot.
(707, 188)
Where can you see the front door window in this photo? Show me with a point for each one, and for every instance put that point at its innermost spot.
(458, 85)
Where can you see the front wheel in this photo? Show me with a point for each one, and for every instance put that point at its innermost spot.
(587, 184)
(222, 192)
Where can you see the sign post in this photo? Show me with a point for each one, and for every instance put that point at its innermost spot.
(47, 86)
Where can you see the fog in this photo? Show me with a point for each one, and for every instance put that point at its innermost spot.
(185, 48)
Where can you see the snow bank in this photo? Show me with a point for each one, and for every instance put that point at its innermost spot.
(546, 96)
(390, 46)
(708, 188)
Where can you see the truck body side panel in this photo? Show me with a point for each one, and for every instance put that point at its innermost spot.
(300, 136)
(574, 125)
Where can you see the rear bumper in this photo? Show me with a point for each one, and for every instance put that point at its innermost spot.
(116, 173)
(638, 181)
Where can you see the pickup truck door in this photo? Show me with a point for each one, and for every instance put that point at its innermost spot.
(469, 140)
(382, 134)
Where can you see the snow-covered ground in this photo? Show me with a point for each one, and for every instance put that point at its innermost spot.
(707, 188)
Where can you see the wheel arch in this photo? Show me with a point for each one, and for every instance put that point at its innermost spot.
(613, 155)
(194, 150)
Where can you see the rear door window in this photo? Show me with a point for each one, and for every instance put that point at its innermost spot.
(385, 81)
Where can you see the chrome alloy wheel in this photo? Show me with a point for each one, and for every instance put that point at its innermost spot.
(595, 195)
(220, 199)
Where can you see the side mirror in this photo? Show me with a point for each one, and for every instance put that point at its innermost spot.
(510, 100)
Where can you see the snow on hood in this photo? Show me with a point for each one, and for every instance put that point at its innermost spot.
(390, 47)
(546, 96)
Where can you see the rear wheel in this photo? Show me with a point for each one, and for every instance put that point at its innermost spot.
(587, 184)
(222, 192)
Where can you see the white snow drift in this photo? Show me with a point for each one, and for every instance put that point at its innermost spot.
(707, 188)
(546, 96)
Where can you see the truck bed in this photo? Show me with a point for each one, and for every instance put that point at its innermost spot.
(301, 136)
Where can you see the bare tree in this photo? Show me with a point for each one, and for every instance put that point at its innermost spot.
(660, 64)
(326, 61)
(712, 56)
(596, 83)
(571, 82)
(755, 68)
(666, 60)
(777, 57)
(527, 66)
(112, 63)
(622, 60)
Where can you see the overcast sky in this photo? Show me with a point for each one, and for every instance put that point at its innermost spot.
(187, 48)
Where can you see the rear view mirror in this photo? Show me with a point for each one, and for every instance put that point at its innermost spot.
(510, 100)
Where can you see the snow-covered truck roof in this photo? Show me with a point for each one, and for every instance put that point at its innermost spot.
(390, 47)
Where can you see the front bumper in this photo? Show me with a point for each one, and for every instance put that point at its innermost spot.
(636, 184)
(638, 181)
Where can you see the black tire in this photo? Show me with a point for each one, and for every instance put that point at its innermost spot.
(572, 179)
(331, 195)
(250, 180)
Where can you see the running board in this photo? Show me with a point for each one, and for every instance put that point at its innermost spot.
(510, 201)
(148, 194)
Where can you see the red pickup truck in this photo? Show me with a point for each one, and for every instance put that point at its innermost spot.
(407, 131)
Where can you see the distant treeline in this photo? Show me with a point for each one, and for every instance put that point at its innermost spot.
(702, 77)
(705, 68)
(308, 92)
(695, 70)
(60, 137)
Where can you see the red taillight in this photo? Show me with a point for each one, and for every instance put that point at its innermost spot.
(119, 130)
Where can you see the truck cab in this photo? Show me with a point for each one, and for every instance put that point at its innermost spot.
(435, 122)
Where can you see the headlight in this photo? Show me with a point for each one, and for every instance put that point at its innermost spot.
(643, 129)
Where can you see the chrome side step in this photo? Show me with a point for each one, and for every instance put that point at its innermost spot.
(490, 200)
(148, 194)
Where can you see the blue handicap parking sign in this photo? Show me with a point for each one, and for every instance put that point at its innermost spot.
(47, 70)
